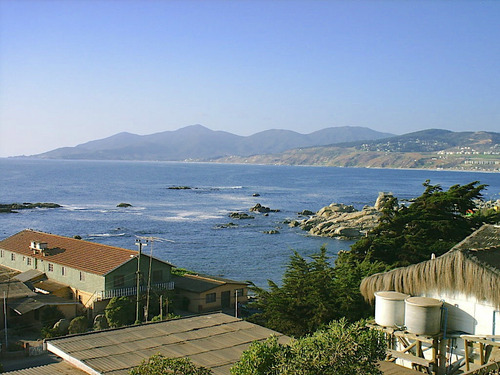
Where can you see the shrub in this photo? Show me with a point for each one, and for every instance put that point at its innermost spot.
(78, 325)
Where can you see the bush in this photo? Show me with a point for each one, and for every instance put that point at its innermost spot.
(120, 311)
(158, 364)
(341, 348)
(78, 325)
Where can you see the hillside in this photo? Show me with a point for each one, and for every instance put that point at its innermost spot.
(198, 143)
(434, 149)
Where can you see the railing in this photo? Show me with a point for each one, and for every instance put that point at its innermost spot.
(130, 291)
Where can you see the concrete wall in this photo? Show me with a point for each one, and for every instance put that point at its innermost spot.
(80, 280)
(467, 314)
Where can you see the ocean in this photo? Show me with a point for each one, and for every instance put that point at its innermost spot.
(187, 225)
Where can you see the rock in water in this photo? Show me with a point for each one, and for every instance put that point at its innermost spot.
(342, 221)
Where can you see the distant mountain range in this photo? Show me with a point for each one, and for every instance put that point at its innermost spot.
(432, 149)
(337, 146)
(198, 143)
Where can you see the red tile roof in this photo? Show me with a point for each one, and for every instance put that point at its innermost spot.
(78, 254)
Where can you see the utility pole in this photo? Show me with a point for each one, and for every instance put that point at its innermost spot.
(161, 307)
(236, 304)
(138, 275)
(5, 318)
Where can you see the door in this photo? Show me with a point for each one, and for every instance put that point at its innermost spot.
(225, 299)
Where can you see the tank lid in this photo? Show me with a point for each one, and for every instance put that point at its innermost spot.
(423, 301)
(391, 295)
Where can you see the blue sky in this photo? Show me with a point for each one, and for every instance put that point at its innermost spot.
(74, 71)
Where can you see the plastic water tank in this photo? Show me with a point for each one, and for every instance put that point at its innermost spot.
(423, 315)
(390, 308)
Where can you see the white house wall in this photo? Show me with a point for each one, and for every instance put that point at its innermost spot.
(469, 315)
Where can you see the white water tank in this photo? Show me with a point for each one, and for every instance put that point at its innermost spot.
(390, 308)
(423, 315)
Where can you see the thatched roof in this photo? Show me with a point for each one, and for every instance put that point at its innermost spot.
(471, 267)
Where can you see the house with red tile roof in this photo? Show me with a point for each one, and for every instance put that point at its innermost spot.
(93, 272)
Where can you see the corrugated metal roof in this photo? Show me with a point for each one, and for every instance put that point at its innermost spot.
(60, 368)
(49, 286)
(79, 254)
(29, 275)
(202, 283)
(15, 289)
(27, 304)
(215, 341)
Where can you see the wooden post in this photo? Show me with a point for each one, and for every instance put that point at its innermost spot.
(466, 348)
(481, 353)
(435, 350)
(442, 356)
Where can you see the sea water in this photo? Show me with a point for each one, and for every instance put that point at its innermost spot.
(188, 225)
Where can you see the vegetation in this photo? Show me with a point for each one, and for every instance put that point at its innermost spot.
(340, 348)
(313, 294)
(120, 311)
(80, 324)
(432, 224)
(178, 271)
(158, 364)
(49, 316)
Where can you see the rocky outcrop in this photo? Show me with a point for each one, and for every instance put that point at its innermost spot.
(13, 207)
(343, 221)
(240, 215)
(259, 208)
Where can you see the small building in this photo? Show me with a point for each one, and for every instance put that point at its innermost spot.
(202, 293)
(466, 278)
(465, 285)
(215, 341)
(23, 305)
(83, 271)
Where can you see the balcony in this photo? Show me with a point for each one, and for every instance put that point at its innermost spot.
(132, 291)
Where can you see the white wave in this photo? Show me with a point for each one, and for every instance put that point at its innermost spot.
(75, 208)
(107, 235)
(218, 188)
(190, 216)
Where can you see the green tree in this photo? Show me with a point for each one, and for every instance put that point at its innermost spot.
(158, 364)
(432, 223)
(79, 324)
(120, 311)
(340, 348)
(314, 293)
(304, 302)
(348, 273)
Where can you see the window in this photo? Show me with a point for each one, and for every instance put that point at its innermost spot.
(1, 254)
(82, 276)
(12, 256)
(51, 267)
(157, 276)
(210, 298)
(119, 281)
(28, 261)
(239, 292)
(63, 271)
